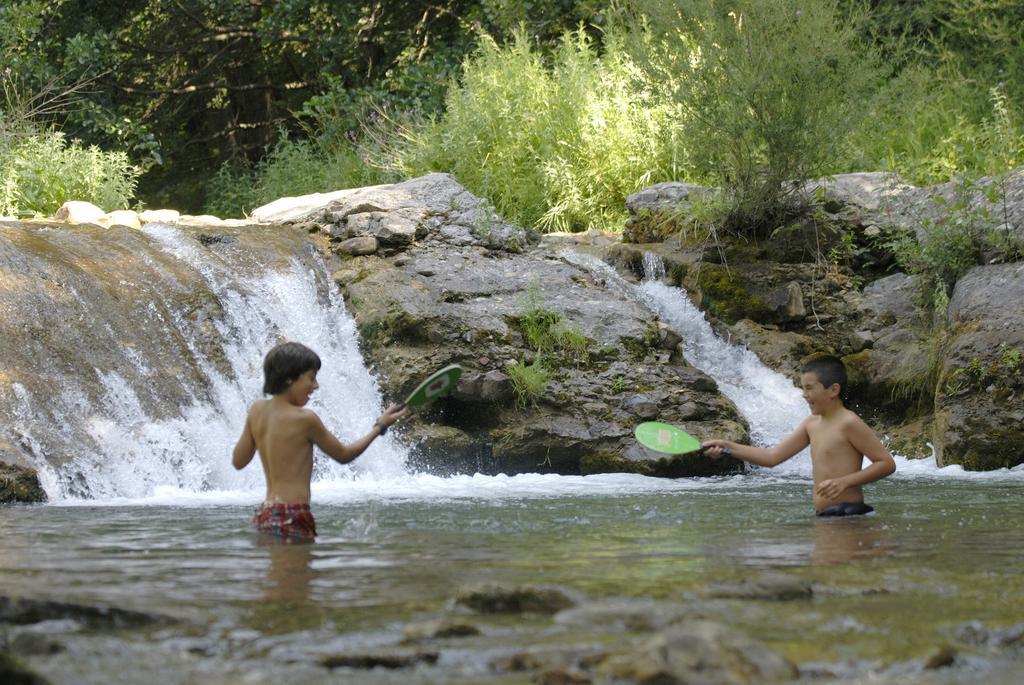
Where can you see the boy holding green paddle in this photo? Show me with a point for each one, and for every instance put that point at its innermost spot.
(839, 440)
(284, 433)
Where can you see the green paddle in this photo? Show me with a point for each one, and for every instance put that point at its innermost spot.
(662, 437)
(439, 384)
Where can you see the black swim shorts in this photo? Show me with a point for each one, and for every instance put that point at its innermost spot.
(847, 509)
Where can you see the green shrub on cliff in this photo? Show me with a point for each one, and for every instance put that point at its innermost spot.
(291, 167)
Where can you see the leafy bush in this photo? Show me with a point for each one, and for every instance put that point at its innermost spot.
(555, 147)
(41, 170)
(767, 91)
(967, 235)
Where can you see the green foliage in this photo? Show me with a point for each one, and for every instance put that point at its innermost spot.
(42, 171)
(555, 147)
(957, 241)
(529, 381)
(932, 124)
(548, 335)
(767, 92)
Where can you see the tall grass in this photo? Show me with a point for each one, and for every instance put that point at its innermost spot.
(556, 143)
(932, 124)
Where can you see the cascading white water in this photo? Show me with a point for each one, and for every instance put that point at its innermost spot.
(132, 454)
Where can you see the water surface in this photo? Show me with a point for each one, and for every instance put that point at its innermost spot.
(889, 589)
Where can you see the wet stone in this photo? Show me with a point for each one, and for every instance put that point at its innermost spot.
(24, 611)
(13, 672)
(493, 599)
(440, 628)
(940, 657)
(391, 660)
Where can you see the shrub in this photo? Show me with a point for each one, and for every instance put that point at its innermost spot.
(529, 381)
(556, 147)
(41, 170)
(767, 90)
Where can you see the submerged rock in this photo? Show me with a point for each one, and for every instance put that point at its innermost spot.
(13, 672)
(367, 660)
(495, 599)
(24, 611)
(440, 628)
(770, 586)
(19, 484)
(698, 653)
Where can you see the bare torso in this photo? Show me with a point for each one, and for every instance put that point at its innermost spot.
(833, 455)
(281, 433)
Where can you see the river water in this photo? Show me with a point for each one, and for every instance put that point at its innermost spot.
(150, 518)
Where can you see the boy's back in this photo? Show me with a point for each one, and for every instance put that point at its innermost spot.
(281, 433)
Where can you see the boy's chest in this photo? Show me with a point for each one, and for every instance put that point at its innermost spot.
(829, 445)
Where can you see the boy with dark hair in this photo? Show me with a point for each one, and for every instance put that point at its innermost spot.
(839, 441)
(284, 433)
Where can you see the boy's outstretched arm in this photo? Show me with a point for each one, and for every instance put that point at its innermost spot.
(342, 453)
(761, 456)
(245, 448)
(865, 441)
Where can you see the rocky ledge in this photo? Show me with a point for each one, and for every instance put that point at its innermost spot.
(560, 366)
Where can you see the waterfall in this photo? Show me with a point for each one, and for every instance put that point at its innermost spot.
(149, 386)
(770, 402)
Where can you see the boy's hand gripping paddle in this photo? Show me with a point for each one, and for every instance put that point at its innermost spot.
(439, 384)
(662, 437)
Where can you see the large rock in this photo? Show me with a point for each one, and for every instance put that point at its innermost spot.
(453, 283)
(980, 395)
(19, 484)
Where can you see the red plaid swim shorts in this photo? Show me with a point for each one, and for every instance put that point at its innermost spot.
(285, 520)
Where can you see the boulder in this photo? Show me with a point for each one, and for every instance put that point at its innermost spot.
(165, 216)
(19, 484)
(980, 394)
(123, 217)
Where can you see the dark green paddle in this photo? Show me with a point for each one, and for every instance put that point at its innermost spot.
(439, 384)
(665, 438)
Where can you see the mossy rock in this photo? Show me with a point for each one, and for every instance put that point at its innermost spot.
(607, 462)
(729, 296)
(20, 484)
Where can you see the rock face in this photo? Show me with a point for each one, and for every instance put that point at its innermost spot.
(980, 395)
(452, 283)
